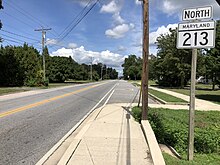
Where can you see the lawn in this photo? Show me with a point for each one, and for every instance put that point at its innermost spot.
(204, 92)
(166, 97)
(171, 127)
(199, 159)
(9, 90)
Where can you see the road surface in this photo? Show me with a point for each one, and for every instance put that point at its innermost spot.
(33, 123)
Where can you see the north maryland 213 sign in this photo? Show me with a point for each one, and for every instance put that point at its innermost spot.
(196, 34)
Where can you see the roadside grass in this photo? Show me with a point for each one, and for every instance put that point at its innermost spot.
(171, 128)
(204, 92)
(199, 159)
(166, 97)
(8, 90)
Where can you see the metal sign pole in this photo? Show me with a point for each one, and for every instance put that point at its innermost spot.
(192, 106)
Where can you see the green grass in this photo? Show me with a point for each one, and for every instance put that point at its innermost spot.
(199, 159)
(7, 90)
(166, 97)
(204, 92)
(171, 127)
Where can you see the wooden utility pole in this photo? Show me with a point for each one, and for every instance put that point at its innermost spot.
(101, 72)
(43, 30)
(91, 67)
(192, 106)
(145, 59)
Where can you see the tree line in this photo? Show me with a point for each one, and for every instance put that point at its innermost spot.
(22, 65)
(171, 67)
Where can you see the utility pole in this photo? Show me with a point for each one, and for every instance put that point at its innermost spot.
(106, 72)
(145, 59)
(91, 67)
(43, 30)
(101, 72)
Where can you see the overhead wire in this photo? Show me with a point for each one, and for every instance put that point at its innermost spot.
(28, 15)
(19, 35)
(78, 21)
(81, 12)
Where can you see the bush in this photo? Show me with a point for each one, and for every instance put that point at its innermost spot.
(136, 113)
(171, 127)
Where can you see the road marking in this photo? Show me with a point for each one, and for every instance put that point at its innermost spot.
(59, 143)
(4, 114)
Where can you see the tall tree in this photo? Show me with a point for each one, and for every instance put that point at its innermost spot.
(212, 60)
(173, 65)
(132, 67)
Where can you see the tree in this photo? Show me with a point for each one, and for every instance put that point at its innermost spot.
(212, 60)
(172, 67)
(132, 67)
(11, 72)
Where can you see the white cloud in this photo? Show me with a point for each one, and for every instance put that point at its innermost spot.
(72, 45)
(138, 2)
(161, 30)
(51, 41)
(82, 2)
(81, 55)
(121, 48)
(112, 7)
(119, 31)
(117, 18)
(171, 7)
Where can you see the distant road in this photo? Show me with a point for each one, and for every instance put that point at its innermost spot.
(33, 123)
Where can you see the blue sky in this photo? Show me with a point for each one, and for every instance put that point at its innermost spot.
(111, 31)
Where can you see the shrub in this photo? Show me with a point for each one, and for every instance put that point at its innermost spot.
(171, 127)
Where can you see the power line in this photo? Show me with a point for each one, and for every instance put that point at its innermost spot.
(19, 35)
(13, 38)
(12, 27)
(76, 17)
(17, 19)
(28, 15)
(23, 12)
(78, 21)
(12, 41)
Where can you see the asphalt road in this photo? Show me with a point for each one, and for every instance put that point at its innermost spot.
(33, 123)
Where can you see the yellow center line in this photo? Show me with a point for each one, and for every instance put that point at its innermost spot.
(13, 111)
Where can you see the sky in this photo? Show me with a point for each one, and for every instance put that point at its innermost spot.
(107, 30)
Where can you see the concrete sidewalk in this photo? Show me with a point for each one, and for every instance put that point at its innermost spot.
(200, 104)
(110, 137)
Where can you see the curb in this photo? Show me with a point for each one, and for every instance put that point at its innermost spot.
(154, 148)
(59, 143)
(164, 102)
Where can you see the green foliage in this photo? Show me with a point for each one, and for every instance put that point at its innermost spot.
(11, 72)
(172, 67)
(22, 65)
(211, 62)
(199, 159)
(136, 113)
(171, 127)
(132, 68)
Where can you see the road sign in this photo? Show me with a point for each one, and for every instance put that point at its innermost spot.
(196, 35)
(197, 13)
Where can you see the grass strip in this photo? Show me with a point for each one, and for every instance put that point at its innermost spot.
(166, 97)
(171, 128)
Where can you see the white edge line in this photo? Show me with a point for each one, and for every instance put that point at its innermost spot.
(59, 143)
